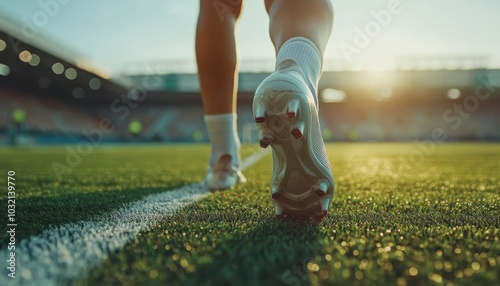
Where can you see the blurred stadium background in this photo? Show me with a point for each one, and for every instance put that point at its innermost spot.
(49, 95)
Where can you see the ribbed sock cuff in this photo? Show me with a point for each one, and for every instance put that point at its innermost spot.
(307, 55)
(223, 134)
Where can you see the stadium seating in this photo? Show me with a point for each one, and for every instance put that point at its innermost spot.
(406, 122)
(45, 114)
(357, 119)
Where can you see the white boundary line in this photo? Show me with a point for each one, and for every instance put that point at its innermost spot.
(69, 251)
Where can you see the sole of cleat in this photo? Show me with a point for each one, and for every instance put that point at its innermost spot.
(301, 172)
(293, 108)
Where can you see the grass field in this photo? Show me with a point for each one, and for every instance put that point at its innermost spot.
(392, 221)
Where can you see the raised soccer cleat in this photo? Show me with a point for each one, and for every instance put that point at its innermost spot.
(223, 175)
(285, 111)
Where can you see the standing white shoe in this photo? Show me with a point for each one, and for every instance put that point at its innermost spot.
(285, 111)
(223, 175)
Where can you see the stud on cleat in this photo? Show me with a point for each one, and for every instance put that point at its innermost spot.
(323, 185)
(278, 211)
(276, 196)
(260, 113)
(265, 142)
(325, 202)
(320, 193)
(320, 217)
(296, 133)
(322, 188)
(293, 108)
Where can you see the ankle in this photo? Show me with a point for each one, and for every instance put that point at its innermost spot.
(304, 53)
(223, 135)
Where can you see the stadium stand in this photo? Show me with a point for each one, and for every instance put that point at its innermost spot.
(407, 122)
(45, 114)
(63, 97)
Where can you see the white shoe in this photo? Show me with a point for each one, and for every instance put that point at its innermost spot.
(286, 114)
(223, 175)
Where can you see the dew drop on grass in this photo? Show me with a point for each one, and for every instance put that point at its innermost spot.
(153, 274)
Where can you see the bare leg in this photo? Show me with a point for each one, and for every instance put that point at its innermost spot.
(302, 181)
(218, 74)
(216, 55)
(311, 19)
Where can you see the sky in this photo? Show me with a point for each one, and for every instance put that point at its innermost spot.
(122, 34)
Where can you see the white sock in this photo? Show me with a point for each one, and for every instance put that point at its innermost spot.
(223, 134)
(307, 55)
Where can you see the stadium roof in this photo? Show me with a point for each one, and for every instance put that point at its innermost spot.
(32, 62)
(27, 35)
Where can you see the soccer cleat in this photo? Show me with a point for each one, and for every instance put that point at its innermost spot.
(223, 175)
(285, 112)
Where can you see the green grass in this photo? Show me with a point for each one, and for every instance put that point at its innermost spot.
(106, 179)
(391, 222)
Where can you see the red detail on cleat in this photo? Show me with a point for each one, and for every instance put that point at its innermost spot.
(260, 119)
(320, 193)
(280, 216)
(291, 114)
(276, 196)
(296, 133)
(265, 142)
(320, 217)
